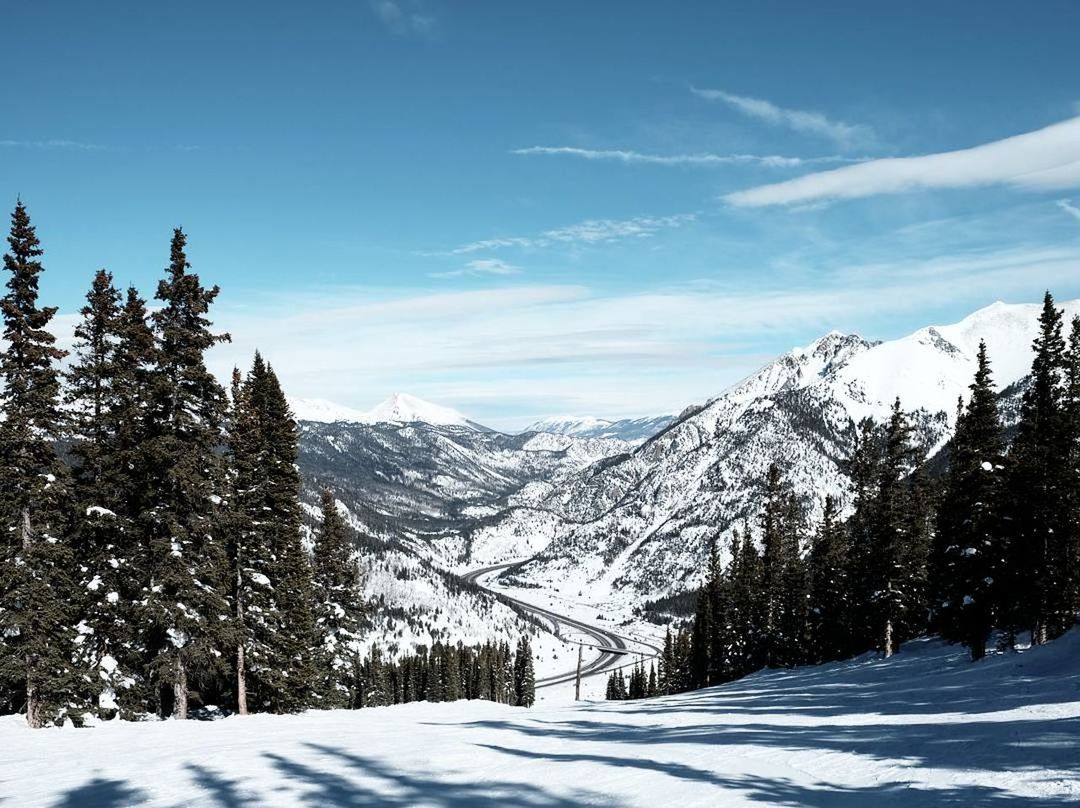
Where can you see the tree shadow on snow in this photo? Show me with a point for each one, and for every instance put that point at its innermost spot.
(782, 791)
(101, 793)
(223, 791)
(398, 789)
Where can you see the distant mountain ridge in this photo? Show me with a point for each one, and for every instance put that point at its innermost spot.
(400, 408)
(632, 430)
(639, 524)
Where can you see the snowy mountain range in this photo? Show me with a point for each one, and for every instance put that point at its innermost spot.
(614, 511)
(640, 523)
(400, 408)
(631, 430)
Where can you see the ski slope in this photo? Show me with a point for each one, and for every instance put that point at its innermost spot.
(926, 728)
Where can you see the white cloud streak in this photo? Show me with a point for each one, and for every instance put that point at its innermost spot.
(814, 123)
(590, 231)
(566, 346)
(54, 143)
(403, 17)
(1069, 208)
(481, 267)
(706, 159)
(1046, 159)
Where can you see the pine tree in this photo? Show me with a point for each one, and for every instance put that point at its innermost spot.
(36, 589)
(892, 579)
(1038, 463)
(339, 601)
(1072, 472)
(524, 678)
(273, 579)
(829, 612)
(968, 548)
(103, 533)
(187, 603)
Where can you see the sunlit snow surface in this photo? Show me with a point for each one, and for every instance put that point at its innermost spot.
(926, 728)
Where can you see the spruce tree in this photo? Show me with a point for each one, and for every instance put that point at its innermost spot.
(524, 678)
(969, 548)
(186, 604)
(1035, 527)
(36, 587)
(103, 531)
(829, 612)
(271, 573)
(339, 604)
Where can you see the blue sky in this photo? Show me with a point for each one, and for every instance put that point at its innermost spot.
(559, 208)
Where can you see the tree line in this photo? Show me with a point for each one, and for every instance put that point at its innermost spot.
(151, 528)
(448, 673)
(991, 543)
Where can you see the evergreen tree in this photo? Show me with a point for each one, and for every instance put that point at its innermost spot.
(1035, 527)
(968, 548)
(892, 581)
(524, 678)
(36, 588)
(339, 605)
(186, 604)
(273, 579)
(103, 533)
(829, 612)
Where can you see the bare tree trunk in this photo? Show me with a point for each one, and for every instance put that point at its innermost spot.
(241, 669)
(888, 638)
(34, 717)
(577, 681)
(241, 681)
(180, 694)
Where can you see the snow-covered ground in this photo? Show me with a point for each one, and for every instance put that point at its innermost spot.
(926, 728)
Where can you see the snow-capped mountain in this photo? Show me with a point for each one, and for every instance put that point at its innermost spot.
(631, 430)
(639, 523)
(400, 408)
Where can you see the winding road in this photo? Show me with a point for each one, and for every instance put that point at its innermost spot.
(613, 647)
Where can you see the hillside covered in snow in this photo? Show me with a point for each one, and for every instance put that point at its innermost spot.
(925, 728)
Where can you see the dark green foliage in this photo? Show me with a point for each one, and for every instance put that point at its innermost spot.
(274, 600)
(339, 605)
(829, 602)
(524, 678)
(105, 436)
(446, 673)
(969, 553)
(36, 561)
(187, 602)
(1037, 524)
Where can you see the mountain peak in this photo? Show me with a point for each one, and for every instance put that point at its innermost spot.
(400, 408)
(406, 409)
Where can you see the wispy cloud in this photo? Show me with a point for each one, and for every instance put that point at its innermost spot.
(54, 143)
(404, 16)
(705, 159)
(481, 267)
(590, 231)
(1045, 159)
(814, 123)
(611, 352)
(1069, 208)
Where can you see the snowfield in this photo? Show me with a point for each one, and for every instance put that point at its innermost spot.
(926, 728)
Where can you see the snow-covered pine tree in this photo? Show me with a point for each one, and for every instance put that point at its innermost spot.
(829, 605)
(524, 676)
(1036, 529)
(1072, 472)
(271, 575)
(339, 602)
(103, 533)
(36, 562)
(968, 546)
(187, 603)
(892, 555)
